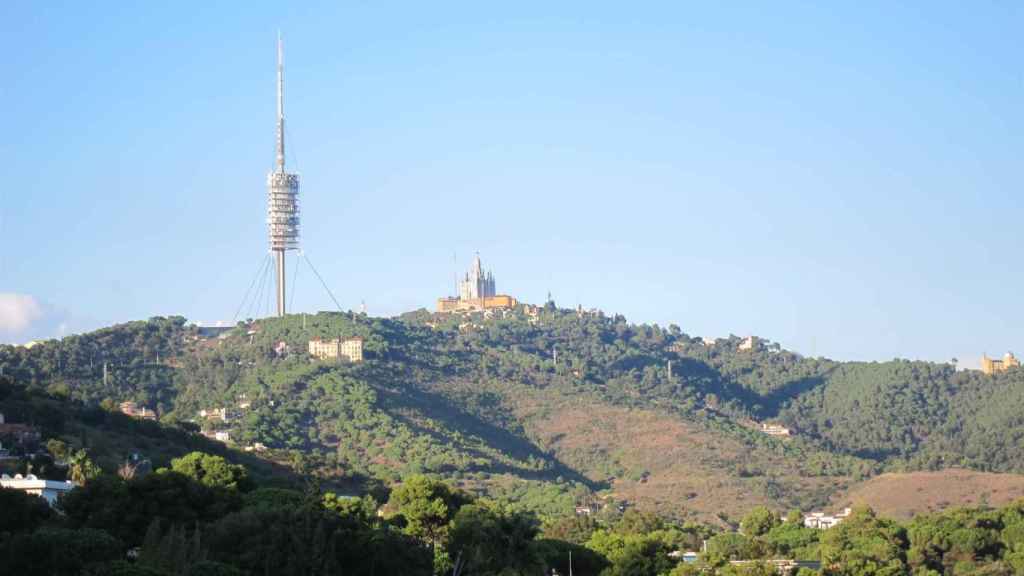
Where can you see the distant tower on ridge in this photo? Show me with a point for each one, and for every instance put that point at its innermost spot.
(282, 195)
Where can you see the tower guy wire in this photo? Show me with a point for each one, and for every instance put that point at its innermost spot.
(259, 272)
(319, 277)
(262, 291)
(251, 310)
(295, 279)
(265, 310)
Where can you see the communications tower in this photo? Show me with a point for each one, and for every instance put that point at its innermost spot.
(282, 195)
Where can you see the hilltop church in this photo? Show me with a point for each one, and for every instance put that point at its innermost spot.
(476, 292)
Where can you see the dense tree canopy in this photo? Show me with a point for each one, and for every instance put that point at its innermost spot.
(213, 471)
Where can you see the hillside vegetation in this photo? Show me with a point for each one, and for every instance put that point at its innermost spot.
(109, 437)
(551, 408)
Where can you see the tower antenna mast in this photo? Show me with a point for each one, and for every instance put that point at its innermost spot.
(280, 104)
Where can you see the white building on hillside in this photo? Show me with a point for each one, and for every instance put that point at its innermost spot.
(822, 521)
(50, 490)
(218, 435)
(775, 429)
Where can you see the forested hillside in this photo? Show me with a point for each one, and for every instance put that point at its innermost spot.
(548, 408)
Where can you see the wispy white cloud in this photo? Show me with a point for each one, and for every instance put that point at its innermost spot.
(18, 312)
(24, 317)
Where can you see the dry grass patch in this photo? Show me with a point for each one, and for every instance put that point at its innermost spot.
(906, 494)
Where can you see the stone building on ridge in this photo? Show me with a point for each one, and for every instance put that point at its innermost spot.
(991, 366)
(349, 348)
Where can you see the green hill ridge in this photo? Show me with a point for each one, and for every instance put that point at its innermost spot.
(480, 400)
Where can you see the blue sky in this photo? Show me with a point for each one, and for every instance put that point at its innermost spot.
(843, 178)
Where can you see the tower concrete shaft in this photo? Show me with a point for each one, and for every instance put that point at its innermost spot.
(279, 256)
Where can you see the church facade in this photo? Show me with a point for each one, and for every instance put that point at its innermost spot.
(477, 283)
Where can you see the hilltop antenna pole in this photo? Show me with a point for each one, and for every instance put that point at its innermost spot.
(280, 104)
(283, 192)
